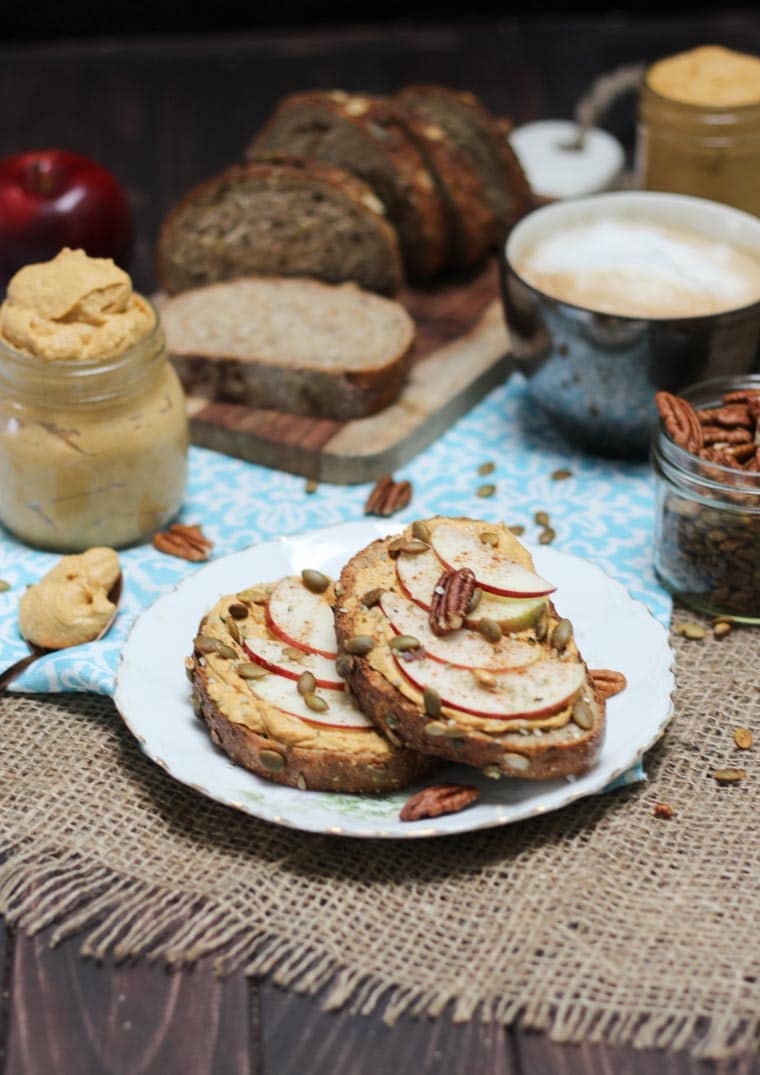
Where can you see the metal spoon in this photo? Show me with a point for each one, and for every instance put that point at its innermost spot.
(6, 677)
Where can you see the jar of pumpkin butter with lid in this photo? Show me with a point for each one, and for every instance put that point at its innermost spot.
(93, 423)
(699, 126)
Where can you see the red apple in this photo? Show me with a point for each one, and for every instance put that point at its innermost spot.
(494, 571)
(341, 712)
(302, 619)
(54, 198)
(271, 654)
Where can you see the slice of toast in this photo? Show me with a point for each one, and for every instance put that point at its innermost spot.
(507, 691)
(296, 345)
(265, 682)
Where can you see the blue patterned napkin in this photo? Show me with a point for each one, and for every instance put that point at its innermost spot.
(603, 512)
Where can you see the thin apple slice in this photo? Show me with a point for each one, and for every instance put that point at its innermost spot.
(272, 654)
(281, 692)
(456, 547)
(302, 618)
(462, 649)
(418, 575)
(536, 691)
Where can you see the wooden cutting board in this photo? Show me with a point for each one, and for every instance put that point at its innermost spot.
(461, 352)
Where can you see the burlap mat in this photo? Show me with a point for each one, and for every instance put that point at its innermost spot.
(598, 922)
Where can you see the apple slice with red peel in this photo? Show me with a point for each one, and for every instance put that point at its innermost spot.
(456, 547)
(539, 690)
(271, 654)
(418, 576)
(281, 692)
(301, 618)
(463, 648)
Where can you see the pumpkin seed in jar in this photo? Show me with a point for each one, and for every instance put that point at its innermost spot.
(307, 684)
(314, 580)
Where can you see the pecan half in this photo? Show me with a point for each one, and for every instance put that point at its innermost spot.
(183, 541)
(729, 415)
(388, 496)
(451, 600)
(720, 435)
(680, 421)
(438, 799)
(607, 682)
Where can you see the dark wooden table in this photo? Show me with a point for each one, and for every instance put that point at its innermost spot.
(162, 114)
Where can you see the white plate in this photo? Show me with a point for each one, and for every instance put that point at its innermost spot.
(152, 693)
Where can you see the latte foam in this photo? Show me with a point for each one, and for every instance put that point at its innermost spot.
(635, 268)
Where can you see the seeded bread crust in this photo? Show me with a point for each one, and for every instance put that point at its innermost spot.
(480, 138)
(367, 136)
(332, 351)
(279, 216)
(562, 751)
(360, 762)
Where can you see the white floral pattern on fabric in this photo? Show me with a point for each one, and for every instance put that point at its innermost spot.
(603, 512)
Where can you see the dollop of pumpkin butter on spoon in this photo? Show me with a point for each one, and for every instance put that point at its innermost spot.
(75, 602)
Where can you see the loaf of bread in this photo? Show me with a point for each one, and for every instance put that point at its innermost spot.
(453, 648)
(266, 684)
(490, 162)
(368, 136)
(296, 345)
(279, 216)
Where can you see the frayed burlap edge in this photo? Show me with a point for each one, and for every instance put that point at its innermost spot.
(121, 918)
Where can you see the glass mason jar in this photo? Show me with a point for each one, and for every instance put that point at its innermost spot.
(707, 524)
(92, 452)
(692, 149)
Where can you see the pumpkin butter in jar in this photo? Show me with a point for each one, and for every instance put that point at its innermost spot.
(93, 424)
(699, 126)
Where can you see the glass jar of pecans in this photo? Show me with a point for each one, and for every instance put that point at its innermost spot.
(706, 459)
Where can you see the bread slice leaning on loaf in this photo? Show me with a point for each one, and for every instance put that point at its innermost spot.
(504, 689)
(367, 136)
(248, 688)
(296, 345)
(279, 216)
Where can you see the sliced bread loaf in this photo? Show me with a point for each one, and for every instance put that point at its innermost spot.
(367, 136)
(324, 350)
(279, 216)
(493, 681)
(266, 684)
(479, 137)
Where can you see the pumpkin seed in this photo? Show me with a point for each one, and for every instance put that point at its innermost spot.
(721, 628)
(562, 634)
(743, 738)
(206, 644)
(432, 702)
(694, 631)
(489, 629)
(421, 531)
(391, 721)
(233, 630)
(301, 782)
(249, 670)
(195, 701)
(486, 468)
(485, 679)
(541, 518)
(372, 597)
(561, 474)
(729, 776)
(359, 644)
(404, 642)
(311, 486)
(226, 651)
(547, 536)
(485, 491)
(314, 580)
(518, 762)
(293, 653)
(475, 599)
(517, 530)
(410, 546)
(541, 628)
(343, 665)
(434, 728)
(189, 668)
(237, 610)
(4, 585)
(315, 702)
(307, 684)
(488, 537)
(493, 772)
(255, 595)
(272, 760)
(583, 715)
